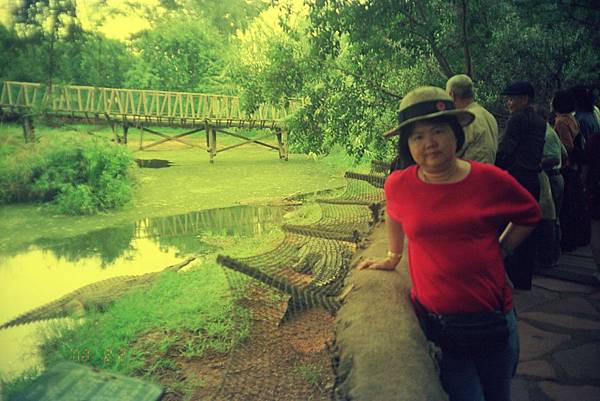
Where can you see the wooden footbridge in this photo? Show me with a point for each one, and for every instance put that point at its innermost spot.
(142, 109)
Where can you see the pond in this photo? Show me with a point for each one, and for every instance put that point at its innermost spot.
(48, 269)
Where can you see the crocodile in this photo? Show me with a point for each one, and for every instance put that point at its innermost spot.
(302, 296)
(98, 295)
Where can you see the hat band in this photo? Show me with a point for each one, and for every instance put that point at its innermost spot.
(424, 108)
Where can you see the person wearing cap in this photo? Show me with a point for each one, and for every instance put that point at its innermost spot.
(520, 153)
(481, 136)
(451, 211)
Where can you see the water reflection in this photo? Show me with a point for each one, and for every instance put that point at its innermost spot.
(241, 220)
(49, 268)
(107, 244)
(183, 232)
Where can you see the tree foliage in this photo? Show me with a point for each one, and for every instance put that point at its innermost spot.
(362, 57)
(49, 21)
(350, 61)
(46, 43)
(225, 16)
(178, 54)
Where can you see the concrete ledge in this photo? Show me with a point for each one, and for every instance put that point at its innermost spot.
(381, 352)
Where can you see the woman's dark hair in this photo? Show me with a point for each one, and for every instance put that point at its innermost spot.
(406, 159)
(584, 98)
(563, 101)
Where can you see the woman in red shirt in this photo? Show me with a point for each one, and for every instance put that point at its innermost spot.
(452, 211)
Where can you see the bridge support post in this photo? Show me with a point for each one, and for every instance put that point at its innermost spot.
(212, 143)
(125, 132)
(207, 130)
(28, 129)
(113, 127)
(279, 143)
(282, 141)
(141, 129)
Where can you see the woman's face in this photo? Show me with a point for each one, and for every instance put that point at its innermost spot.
(432, 146)
(516, 103)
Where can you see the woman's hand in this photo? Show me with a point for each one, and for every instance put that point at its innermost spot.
(388, 263)
(395, 249)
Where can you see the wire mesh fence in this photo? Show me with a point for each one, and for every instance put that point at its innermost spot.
(292, 293)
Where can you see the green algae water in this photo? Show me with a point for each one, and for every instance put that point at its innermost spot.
(49, 268)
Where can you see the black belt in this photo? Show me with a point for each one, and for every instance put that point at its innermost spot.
(524, 171)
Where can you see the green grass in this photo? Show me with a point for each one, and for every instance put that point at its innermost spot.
(185, 313)
(308, 213)
(311, 373)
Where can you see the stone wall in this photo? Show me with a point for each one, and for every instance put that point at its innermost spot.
(381, 352)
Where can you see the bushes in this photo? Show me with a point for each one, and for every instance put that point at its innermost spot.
(77, 175)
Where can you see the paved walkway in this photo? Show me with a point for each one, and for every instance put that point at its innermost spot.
(559, 327)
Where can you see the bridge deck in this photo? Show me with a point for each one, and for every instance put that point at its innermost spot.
(139, 107)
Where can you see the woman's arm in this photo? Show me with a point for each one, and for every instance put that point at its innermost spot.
(395, 248)
(512, 237)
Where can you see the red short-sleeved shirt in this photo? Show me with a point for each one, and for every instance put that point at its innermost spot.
(453, 229)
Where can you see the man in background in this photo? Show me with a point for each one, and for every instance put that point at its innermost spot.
(520, 153)
(481, 136)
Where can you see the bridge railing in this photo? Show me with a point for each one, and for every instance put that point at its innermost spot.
(135, 103)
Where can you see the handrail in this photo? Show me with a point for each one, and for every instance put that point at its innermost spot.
(135, 103)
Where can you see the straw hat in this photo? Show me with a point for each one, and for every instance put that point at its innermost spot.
(425, 103)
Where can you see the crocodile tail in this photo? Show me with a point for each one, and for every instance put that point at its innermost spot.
(48, 311)
(63, 306)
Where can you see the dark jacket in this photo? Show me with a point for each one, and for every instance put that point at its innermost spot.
(520, 150)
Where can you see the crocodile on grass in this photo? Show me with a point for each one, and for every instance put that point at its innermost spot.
(98, 295)
(302, 297)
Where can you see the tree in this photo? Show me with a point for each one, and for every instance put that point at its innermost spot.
(362, 57)
(436, 30)
(99, 61)
(9, 43)
(48, 21)
(178, 54)
(270, 58)
(573, 28)
(226, 16)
